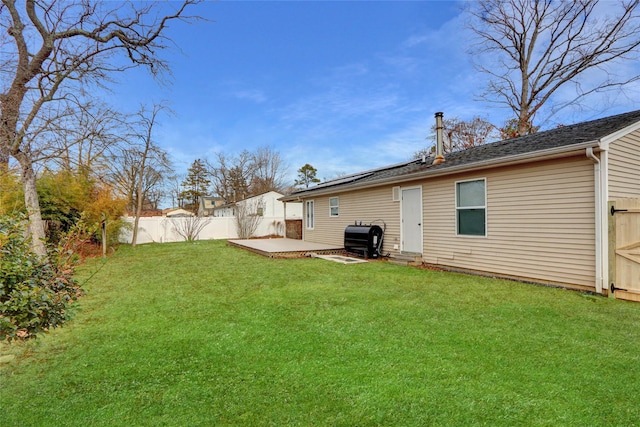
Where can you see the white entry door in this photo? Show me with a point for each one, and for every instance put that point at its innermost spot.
(411, 218)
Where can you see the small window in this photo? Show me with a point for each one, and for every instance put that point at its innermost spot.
(309, 214)
(260, 211)
(471, 208)
(334, 207)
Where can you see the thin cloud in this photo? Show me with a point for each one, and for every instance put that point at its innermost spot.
(253, 95)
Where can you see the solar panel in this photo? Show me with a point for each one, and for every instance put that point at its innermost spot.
(343, 180)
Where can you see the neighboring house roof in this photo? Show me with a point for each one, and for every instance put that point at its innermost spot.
(525, 148)
(179, 213)
(275, 194)
(226, 205)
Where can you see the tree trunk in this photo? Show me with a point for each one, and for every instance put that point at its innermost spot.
(139, 194)
(36, 225)
(523, 125)
(4, 159)
(134, 237)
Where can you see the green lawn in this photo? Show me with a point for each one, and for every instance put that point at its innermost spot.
(205, 335)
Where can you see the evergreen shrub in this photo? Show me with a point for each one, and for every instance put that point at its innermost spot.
(35, 293)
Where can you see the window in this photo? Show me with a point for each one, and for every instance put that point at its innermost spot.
(260, 211)
(471, 208)
(333, 206)
(309, 214)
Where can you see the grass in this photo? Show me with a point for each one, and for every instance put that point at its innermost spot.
(205, 334)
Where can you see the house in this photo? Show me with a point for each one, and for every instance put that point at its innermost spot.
(266, 204)
(284, 219)
(207, 204)
(226, 210)
(558, 207)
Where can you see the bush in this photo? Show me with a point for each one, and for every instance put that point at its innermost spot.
(35, 293)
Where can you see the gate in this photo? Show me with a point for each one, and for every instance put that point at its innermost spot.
(624, 248)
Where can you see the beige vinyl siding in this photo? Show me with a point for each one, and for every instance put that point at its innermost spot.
(624, 167)
(540, 223)
(367, 205)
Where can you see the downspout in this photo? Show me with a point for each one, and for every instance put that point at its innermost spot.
(598, 217)
(284, 207)
(604, 216)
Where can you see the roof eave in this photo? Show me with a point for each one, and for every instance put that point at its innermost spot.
(540, 155)
(606, 140)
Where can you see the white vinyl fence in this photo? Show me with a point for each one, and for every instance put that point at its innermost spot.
(163, 229)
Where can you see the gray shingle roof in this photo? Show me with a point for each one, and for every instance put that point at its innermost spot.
(561, 137)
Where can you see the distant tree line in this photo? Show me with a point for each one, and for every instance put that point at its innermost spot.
(235, 177)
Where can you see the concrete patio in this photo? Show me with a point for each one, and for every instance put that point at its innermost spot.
(285, 248)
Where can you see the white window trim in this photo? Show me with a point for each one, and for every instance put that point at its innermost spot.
(337, 206)
(395, 194)
(486, 211)
(306, 214)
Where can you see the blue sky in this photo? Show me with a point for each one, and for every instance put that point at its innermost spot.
(343, 85)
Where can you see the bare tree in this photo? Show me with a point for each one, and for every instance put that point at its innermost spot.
(126, 169)
(231, 176)
(189, 227)
(248, 217)
(86, 141)
(269, 171)
(152, 163)
(248, 174)
(538, 47)
(56, 50)
(173, 187)
(461, 135)
(79, 137)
